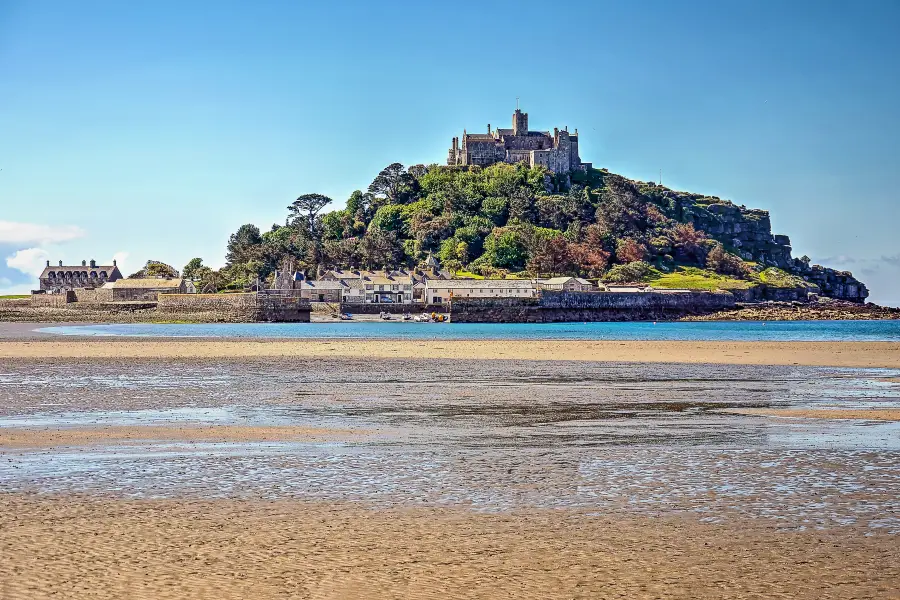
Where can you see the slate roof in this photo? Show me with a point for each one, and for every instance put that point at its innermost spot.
(450, 284)
(81, 269)
(563, 280)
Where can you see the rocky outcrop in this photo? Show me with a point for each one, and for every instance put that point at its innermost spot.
(748, 232)
(824, 310)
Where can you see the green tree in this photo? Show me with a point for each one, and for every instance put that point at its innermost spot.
(394, 184)
(505, 248)
(302, 211)
(496, 209)
(243, 245)
(379, 248)
(635, 272)
(388, 218)
(159, 269)
(189, 271)
(725, 263)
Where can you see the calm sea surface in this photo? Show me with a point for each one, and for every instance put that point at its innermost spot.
(861, 331)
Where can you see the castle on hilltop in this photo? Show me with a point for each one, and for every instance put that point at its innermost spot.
(557, 152)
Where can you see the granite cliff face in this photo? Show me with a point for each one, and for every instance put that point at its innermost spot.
(748, 232)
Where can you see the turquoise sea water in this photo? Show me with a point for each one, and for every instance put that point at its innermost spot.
(868, 331)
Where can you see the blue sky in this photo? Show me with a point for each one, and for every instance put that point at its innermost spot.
(155, 129)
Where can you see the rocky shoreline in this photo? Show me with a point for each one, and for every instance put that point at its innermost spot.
(21, 311)
(823, 310)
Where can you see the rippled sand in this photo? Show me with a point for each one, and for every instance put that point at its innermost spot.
(190, 549)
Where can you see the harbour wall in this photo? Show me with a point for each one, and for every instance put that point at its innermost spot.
(238, 307)
(394, 309)
(556, 307)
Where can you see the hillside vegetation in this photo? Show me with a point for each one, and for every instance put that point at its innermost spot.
(503, 220)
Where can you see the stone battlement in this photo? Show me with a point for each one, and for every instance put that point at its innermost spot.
(557, 152)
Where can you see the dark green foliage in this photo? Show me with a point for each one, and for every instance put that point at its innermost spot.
(495, 220)
(496, 210)
(302, 211)
(388, 218)
(190, 270)
(155, 268)
(724, 263)
(634, 272)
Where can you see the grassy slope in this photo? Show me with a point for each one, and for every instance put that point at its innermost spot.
(692, 278)
(14, 297)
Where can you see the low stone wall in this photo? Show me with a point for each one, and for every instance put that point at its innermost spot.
(238, 307)
(415, 308)
(93, 295)
(553, 307)
(53, 300)
(325, 307)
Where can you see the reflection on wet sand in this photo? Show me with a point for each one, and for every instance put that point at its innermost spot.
(492, 435)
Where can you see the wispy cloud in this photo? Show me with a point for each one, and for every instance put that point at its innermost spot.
(30, 261)
(894, 260)
(861, 262)
(36, 234)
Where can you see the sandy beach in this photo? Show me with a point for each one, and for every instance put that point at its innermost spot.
(48, 437)
(888, 414)
(225, 468)
(837, 354)
(192, 549)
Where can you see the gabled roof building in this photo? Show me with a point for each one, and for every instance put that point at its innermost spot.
(62, 278)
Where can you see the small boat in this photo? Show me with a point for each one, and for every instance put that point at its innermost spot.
(346, 317)
(385, 316)
(407, 316)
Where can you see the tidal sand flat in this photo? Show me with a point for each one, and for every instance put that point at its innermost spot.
(825, 354)
(143, 468)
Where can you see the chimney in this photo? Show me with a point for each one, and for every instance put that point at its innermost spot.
(489, 129)
(84, 263)
(114, 262)
(48, 263)
(93, 264)
(60, 263)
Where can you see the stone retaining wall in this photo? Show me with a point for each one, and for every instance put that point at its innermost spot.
(415, 308)
(53, 300)
(554, 307)
(238, 307)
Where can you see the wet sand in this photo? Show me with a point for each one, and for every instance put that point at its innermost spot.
(836, 354)
(887, 414)
(54, 437)
(215, 469)
(75, 547)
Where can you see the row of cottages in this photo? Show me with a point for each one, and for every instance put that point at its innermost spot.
(567, 284)
(65, 278)
(440, 292)
(443, 291)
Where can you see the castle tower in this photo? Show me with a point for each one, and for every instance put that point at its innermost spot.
(520, 123)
